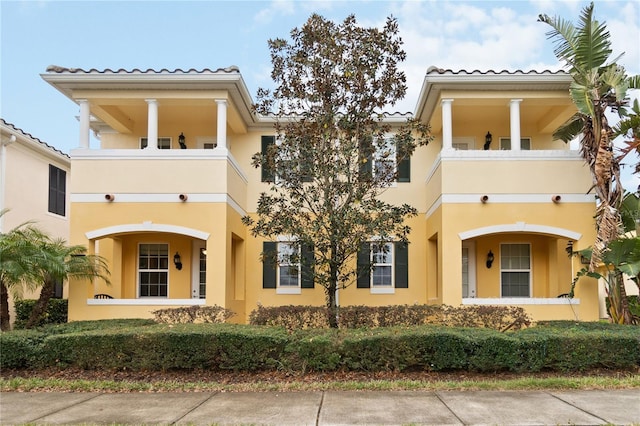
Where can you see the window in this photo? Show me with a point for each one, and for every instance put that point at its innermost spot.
(515, 270)
(525, 144)
(57, 190)
(163, 143)
(383, 266)
(153, 270)
(287, 267)
(384, 162)
(382, 261)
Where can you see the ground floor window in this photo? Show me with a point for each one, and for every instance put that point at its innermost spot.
(515, 270)
(382, 261)
(153, 270)
(383, 266)
(202, 275)
(288, 265)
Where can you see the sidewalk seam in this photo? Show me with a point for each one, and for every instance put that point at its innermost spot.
(575, 406)
(193, 408)
(448, 408)
(319, 408)
(66, 407)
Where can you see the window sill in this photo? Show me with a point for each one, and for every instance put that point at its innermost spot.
(383, 290)
(288, 290)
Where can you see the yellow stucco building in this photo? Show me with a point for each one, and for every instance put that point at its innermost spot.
(163, 195)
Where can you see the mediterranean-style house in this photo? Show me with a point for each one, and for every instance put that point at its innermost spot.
(34, 178)
(163, 195)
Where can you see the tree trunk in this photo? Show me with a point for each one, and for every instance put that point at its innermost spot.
(46, 293)
(5, 324)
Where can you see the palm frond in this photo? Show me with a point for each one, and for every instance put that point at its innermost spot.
(593, 45)
(571, 129)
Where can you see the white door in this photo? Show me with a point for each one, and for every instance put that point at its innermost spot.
(199, 271)
(468, 269)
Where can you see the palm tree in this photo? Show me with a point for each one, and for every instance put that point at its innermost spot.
(56, 262)
(599, 85)
(17, 248)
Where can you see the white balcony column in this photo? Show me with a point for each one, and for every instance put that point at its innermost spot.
(447, 126)
(514, 106)
(84, 123)
(222, 123)
(152, 125)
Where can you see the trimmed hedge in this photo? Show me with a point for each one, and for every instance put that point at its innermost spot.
(296, 317)
(56, 313)
(139, 345)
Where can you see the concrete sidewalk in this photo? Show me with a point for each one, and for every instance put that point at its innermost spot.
(620, 407)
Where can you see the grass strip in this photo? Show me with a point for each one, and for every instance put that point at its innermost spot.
(18, 384)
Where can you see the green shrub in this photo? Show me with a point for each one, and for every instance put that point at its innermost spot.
(501, 318)
(193, 314)
(56, 313)
(144, 345)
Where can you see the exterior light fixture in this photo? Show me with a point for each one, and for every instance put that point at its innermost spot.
(181, 141)
(177, 261)
(490, 259)
(487, 141)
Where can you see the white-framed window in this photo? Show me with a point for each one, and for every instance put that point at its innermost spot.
(463, 143)
(153, 270)
(382, 265)
(384, 159)
(515, 269)
(525, 144)
(163, 143)
(288, 265)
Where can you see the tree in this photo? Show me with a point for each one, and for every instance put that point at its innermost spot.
(599, 85)
(334, 152)
(55, 262)
(17, 248)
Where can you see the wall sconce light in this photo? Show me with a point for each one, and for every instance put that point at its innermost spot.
(487, 141)
(181, 141)
(177, 261)
(490, 259)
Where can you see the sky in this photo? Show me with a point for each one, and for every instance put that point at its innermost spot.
(454, 34)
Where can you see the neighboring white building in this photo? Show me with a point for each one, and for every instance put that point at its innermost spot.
(34, 178)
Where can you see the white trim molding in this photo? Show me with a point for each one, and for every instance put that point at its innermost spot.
(521, 301)
(146, 302)
(520, 227)
(146, 227)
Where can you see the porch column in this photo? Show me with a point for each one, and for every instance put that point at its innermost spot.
(514, 107)
(84, 123)
(447, 132)
(152, 125)
(222, 123)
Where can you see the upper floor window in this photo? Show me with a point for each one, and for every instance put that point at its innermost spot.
(525, 144)
(163, 143)
(384, 162)
(57, 190)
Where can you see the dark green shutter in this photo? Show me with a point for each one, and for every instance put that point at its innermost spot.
(269, 253)
(364, 266)
(307, 266)
(401, 263)
(404, 169)
(267, 173)
(365, 158)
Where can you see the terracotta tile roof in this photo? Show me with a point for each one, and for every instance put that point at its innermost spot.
(60, 70)
(3, 122)
(436, 70)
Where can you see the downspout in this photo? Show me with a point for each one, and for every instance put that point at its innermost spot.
(3, 168)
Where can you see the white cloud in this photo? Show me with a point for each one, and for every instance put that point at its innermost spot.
(276, 8)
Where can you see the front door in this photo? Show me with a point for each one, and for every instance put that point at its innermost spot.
(199, 277)
(468, 269)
